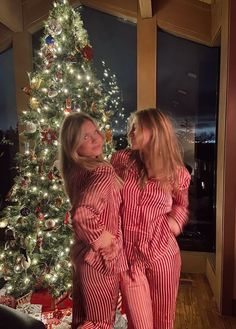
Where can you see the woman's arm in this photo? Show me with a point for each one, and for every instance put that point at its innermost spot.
(179, 214)
(87, 221)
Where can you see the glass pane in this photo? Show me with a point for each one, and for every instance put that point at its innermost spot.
(188, 75)
(8, 122)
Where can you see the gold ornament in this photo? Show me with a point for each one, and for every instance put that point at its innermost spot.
(34, 103)
(58, 202)
(108, 135)
(35, 83)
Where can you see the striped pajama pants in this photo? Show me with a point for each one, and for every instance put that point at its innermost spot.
(149, 294)
(94, 298)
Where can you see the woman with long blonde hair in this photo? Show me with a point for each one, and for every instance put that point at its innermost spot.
(94, 192)
(154, 211)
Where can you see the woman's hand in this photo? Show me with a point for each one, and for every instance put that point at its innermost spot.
(105, 241)
(175, 229)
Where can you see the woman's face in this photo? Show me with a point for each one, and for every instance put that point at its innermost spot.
(139, 138)
(91, 141)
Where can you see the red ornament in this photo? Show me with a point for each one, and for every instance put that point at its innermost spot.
(50, 175)
(40, 216)
(37, 210)
(58, 75)
(26, 90)
(48, 136)
(67, 218)
(87, 53)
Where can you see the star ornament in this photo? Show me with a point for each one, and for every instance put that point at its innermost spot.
(48, 136)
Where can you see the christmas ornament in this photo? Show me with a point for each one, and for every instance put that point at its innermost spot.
(36, 83)
(71, 59)
(108, 135)
(87, 53)
(30, 127)
(49, 58)
(49, 40)
(52, 93)
(40, 216)
(94, 107)
(25, 262)
(58, 75)
(39, 245)
(3, 222)
(68, 105)
(48, 136)
(50, 224)
(25, 211)
(27, 90)
(67, 218)
(34, 103)
(50, 175)
(84, 106)
(41, 167)
(58, 202)
(17, 268)
(24, 183)
(54, 28)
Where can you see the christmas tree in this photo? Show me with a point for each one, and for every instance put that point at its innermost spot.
(37, 225)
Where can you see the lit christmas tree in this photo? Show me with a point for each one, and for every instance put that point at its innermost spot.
(37, 226)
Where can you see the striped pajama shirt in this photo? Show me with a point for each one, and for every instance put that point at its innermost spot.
(95, 200)
(149, 287)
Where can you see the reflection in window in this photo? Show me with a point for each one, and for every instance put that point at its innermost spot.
(8, 123)
(188, 76)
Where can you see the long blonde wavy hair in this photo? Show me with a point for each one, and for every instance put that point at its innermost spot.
(70, 139)
(162, 154)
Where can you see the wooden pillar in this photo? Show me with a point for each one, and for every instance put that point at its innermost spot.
(146, 61)
(22, 54)
(230, 175)
(226, 163)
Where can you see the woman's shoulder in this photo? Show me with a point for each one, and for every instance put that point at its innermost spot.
(121, 157)
(103, 169)
(184, 178)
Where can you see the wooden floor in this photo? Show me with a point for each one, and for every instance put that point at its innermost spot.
(196, 308)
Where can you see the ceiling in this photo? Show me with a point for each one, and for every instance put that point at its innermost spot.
(19, 15)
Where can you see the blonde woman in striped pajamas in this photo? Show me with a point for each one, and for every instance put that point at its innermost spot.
(97, 253)
(154, 211)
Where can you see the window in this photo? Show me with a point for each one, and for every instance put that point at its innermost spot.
(8, 122)
(188, 75)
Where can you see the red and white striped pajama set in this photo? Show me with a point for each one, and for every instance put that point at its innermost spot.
(149, 288)
(95, 200)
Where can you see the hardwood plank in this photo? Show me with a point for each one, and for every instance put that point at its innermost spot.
(196, 307)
